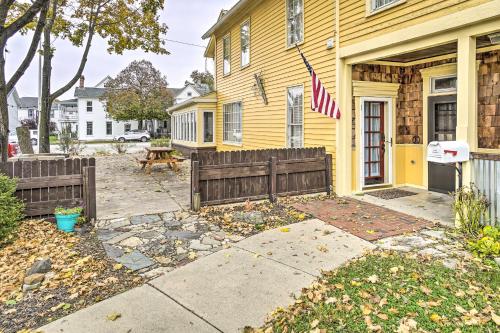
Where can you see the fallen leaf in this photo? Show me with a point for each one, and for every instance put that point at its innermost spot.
(113, 316)
(285, 229)
(495, 318)
(436, 318)
(371, 232)
(383, 316)
(366, 309)
(425, 290)
(373, 278)
(322, 248)
(117, 267)
(314, 323)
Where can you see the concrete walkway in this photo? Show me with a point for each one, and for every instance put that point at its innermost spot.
(225, 291)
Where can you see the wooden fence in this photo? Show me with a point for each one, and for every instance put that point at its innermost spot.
(46, 184)
(237, 176)
(487, 180)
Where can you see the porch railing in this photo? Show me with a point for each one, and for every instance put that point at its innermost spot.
(487, 179)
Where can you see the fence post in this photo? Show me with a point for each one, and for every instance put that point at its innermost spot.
(273, 168)
(328, 173)
(89, 193)
(195, 185)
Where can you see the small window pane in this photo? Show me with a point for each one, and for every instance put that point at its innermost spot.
(226, 45)
(245, 44)
(208, 127)
(109, 128)
(377, 4)
(444, 84)
(90, 128)
(89, 106)
(295, 21)
(295, 117)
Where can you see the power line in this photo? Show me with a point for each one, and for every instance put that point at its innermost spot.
(185, 43)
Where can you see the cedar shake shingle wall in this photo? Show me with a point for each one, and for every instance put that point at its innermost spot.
(489, 100)
(409, 104)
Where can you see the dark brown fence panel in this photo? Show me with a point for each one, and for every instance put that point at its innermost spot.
(227, 177)
(45, 184)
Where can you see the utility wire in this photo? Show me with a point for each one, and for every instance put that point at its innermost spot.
(185, 43)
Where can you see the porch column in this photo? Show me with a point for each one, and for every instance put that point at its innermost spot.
(466, 97)
(344, 130)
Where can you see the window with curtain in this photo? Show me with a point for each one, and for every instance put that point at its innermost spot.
(245, 43)
(295, 117)
(295, 21)
(232, 123)
(226, 54)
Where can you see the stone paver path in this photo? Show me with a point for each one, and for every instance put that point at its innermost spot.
(157, 243)
(227, 290)
(365, 220)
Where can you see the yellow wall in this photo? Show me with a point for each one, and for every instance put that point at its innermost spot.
(356, 25)
(264, 126)
(409, 165)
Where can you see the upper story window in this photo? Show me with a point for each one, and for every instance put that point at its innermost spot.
(245, 43)
(444, 84)
(226, 54)
(90, 106)
(30, 113)
(377, 5)
(295, 21)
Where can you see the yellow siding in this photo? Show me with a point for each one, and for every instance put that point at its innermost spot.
(356, 26)
(409, 165)
(264, 126)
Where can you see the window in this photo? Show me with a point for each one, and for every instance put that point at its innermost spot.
(226, 54)
(52, 114)
(190, 94)
(90, 128)
(184, 126)
(208, 127)
(232, 123)
(245, 43)
(109, 128)
(127, 128)
(376, 5)
(444, 84)
(295, 21)
(295, 117)
(30, 113)
(89, 106)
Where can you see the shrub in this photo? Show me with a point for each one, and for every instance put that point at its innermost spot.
(488, 245)
(161, 142)
(470, 207)
(68, 211)
(11, 209)
(119, 147)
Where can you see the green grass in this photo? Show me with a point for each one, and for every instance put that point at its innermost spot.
(53, 139)
(403, 291)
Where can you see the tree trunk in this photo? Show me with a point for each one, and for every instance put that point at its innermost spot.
(46, 101)
(24, 139)
(4, 107)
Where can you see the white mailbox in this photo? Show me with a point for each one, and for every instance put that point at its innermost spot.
(446, 152)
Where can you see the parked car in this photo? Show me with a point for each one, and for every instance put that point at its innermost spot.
(12, 149)
(134, 135)
(13, 138)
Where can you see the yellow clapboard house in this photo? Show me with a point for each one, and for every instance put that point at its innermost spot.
(404, 72)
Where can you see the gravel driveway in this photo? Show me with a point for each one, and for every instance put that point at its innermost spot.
(124, 190)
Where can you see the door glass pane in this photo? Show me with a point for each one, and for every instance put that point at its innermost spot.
(445, 121)
(375, 169)
(208, 127)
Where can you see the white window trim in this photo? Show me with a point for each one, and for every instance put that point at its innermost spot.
(247, 21)
(233, 143)
(370, 11)
(442, 91)
(228, 37)
(288, 46)
(287, 144)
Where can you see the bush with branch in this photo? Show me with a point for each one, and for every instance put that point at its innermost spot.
(11, 209)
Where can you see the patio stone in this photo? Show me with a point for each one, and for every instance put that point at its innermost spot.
(450, 263)
(249, 217)
(135, 261)
(145, 219)
(180, 234)
(431, 252)
(105, 235)
(210, 241)
(197, 245)
(120, 236)
(132, 242)
(149, 234)
(172, 223)
(112, 251)
(439, 234)
(414, 241)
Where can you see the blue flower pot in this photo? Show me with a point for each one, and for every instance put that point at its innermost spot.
(66, 223)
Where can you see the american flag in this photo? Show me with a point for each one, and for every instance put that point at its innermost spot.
(321, 101)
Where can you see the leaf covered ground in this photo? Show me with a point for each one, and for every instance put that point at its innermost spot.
(391, 292)
(81, 275)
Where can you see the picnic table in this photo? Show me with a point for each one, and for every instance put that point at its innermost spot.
(160, 155)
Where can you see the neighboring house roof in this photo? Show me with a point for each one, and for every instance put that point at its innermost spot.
(211, 97)
(233, 13)
(28, 102)
(175, 91)
(87, 92)
(202, 89)
(103, 81)
(15, 95)
(69, 101)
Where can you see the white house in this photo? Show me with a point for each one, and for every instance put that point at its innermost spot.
(189, 91)
(94, 123)
(66, 114)
(28, 108)
(13, 103)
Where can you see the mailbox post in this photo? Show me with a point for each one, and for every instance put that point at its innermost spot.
(449, 152)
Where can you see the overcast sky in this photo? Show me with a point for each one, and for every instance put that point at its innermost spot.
(187, 21)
